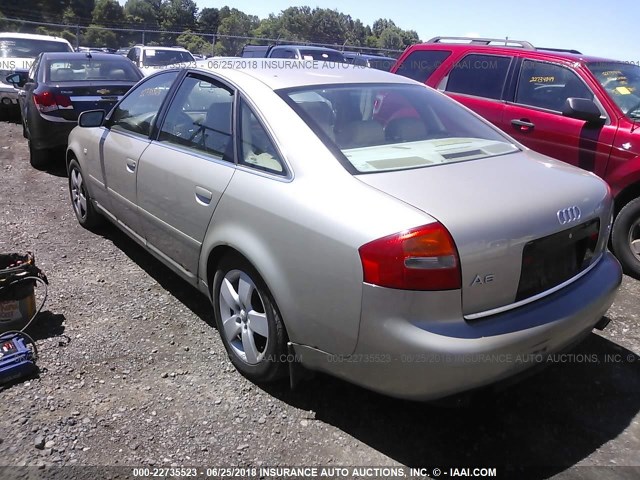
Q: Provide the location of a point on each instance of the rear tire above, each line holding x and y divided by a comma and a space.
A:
248, 321
86, 214
39, 158
625, 238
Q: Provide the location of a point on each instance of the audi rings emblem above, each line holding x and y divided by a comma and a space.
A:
568, 215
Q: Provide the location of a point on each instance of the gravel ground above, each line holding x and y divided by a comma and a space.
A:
133, 373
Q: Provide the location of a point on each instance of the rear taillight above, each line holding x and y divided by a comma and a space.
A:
423, 258
48, 101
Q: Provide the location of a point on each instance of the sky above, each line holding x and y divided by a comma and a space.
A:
598, 28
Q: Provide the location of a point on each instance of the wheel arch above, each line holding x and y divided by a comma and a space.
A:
215, 256
70, 155
629, 193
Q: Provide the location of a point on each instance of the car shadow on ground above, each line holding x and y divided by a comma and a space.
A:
550, 420
56, 165
553, 419
57, 168
172, 283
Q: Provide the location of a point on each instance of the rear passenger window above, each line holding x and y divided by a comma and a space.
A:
256, 148
420, 64
547, 85
479, 75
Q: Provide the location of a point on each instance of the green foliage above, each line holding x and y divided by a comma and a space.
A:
235, 24
96, 36
69, 36
82, 9
209, 20
194, 43
178, 15
390, 38
142, 13
301, 24
108, 13
381, 25
69, 16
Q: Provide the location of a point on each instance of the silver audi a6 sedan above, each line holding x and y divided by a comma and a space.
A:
353, 220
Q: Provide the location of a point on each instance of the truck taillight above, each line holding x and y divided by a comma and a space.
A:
422, 258
48, 101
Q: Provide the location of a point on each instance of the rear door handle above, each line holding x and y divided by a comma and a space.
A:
131, 165
203, 196
523, 125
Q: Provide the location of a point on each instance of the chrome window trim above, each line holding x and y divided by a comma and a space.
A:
96, 98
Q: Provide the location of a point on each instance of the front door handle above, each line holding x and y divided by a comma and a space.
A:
131, 165
203, 196
523, 125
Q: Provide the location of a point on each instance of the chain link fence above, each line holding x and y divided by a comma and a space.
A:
79, 35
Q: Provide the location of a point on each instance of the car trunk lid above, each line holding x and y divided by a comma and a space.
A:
523, 223
73, 98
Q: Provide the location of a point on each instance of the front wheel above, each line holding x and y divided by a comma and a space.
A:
80, 200
248, 321
625, 238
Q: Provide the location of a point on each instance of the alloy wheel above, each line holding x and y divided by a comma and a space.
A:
78, 194
244, 321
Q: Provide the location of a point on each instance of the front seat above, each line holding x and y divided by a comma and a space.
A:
361, 133
405, 129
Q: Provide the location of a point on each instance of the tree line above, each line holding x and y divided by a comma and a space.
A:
105, 18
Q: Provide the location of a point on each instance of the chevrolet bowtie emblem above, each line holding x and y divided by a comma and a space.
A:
103, 91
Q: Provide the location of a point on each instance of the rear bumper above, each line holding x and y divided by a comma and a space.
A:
417, 345
49, 132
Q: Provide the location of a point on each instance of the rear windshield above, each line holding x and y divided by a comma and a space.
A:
117, 69
29, 48
158, 58
395, 127
323, 55
621, 82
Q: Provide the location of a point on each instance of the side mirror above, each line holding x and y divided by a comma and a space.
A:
582, 109
91, 118
17, 79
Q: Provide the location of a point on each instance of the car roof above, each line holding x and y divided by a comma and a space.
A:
537, 53
301, 73
368, 56
32, 36
309, 47
76, 55
158, 47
